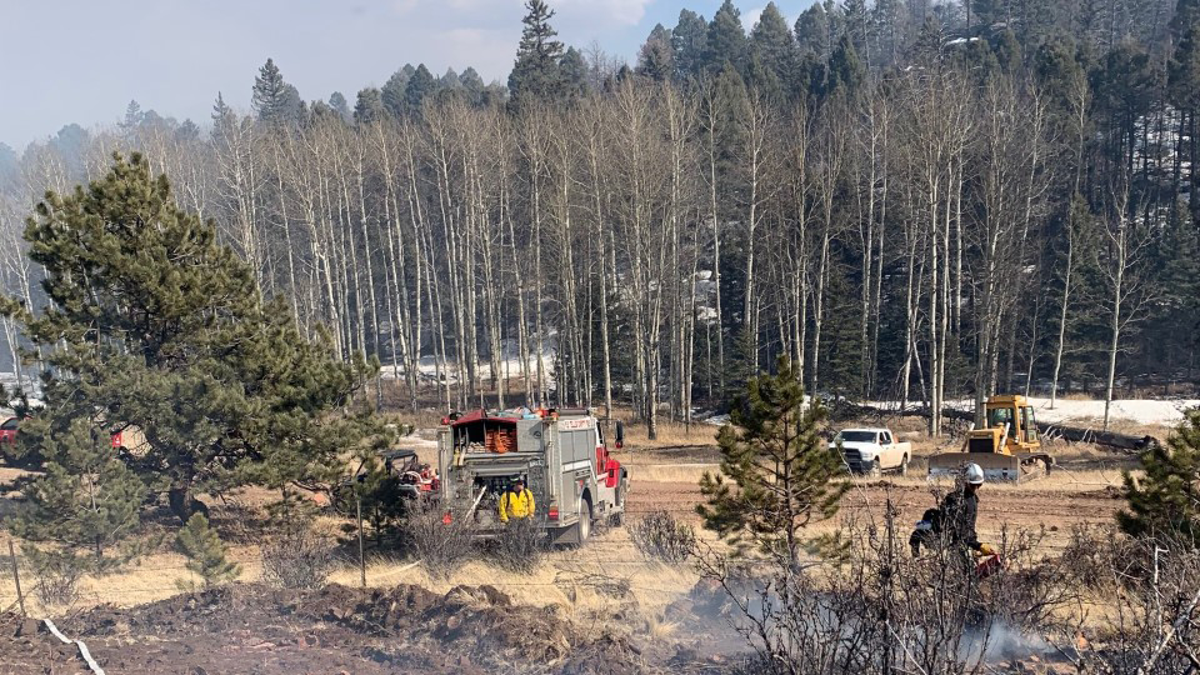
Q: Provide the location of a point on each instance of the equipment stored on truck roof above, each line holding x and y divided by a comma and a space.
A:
561, 456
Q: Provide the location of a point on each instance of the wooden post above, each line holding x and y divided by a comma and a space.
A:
12, 554
362, 563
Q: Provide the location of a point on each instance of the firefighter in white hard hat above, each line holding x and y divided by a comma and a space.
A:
953, 521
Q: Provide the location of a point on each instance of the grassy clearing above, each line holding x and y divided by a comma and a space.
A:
604, 576
671, 473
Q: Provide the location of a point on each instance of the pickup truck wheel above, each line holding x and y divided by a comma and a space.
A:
904, 466
876, 469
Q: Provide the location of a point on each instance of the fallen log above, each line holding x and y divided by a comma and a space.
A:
1107, 439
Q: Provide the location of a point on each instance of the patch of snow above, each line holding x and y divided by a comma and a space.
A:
1140, 411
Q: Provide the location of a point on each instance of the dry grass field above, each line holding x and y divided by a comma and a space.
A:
608, 583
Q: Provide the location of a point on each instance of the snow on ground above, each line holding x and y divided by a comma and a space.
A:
510, 364
1140, 411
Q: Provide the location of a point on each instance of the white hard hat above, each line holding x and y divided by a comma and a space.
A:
974, 474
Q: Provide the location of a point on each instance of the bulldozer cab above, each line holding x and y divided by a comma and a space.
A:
1007, 447
1010, 427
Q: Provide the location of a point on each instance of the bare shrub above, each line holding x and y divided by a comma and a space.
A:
659, 536
1154, 584
521, 546
877, 610
1092, 554
442, 545
58, 580
298, 558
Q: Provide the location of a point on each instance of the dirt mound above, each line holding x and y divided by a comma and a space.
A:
471, 629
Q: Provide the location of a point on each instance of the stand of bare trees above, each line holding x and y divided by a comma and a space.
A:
658, 243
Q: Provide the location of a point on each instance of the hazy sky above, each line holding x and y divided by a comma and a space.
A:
64, 61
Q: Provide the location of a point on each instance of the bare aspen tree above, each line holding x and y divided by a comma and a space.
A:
592, 138
1122, 260
758, 130
711, 121
829, 156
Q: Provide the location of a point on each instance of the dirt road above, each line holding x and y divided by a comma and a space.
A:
1056, 504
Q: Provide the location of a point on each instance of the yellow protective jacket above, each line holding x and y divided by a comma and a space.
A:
516, 505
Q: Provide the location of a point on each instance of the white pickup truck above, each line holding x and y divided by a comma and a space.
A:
872, 451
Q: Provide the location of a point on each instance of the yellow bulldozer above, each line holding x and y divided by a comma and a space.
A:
1007, 447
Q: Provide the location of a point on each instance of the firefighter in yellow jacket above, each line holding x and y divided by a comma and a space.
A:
517, 502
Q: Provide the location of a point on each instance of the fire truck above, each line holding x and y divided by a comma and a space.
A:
560, 455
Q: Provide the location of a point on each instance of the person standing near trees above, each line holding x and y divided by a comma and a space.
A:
518, 503
954, 519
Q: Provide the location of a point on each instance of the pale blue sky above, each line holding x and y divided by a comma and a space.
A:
64, 61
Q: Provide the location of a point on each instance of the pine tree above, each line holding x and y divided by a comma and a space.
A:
1187, 13
188, 132
87, 503
1007, 50
1176, 311
275, 100
536, 73
205, 553
368, 106
574, 71
771, 41
927, 50
473, 86
857, 20
656, 60
449, 81
784, 472
133, 117
10, 165
689, 41
846, 71
420, 86
338, 103
146, 309
224, 120
812, 32
1166, 501
726, 40
393, 93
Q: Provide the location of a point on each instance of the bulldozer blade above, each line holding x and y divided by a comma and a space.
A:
997, 467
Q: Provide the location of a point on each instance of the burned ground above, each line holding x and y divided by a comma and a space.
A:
250, 628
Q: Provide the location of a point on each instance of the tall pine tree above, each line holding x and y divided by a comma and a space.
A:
420, 86
393, 92
771, 42
153, 324
656, 60
726, 40
537, 75
274, 100
368, 106
689, 41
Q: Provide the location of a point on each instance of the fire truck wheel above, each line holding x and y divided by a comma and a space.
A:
585, 520
618, 519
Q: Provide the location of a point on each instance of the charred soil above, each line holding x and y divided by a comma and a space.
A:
251, 628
